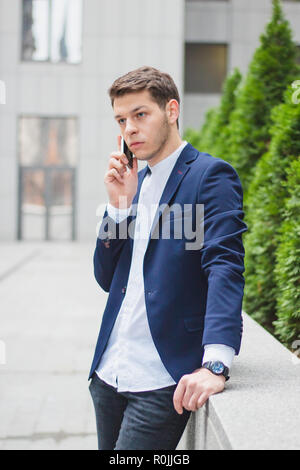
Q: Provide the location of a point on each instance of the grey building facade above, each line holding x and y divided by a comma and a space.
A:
57, 61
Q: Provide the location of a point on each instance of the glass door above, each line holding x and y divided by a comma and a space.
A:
47, 177
47, 204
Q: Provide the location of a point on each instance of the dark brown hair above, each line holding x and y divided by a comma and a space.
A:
160, 86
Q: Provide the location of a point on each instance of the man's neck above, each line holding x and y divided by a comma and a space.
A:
166, 151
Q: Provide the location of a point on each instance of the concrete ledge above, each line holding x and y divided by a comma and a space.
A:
260, 407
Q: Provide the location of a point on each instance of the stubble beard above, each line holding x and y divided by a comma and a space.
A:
164, 135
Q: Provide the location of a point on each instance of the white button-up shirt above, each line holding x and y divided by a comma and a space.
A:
131, 361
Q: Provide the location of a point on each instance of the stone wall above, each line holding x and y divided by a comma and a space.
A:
260, 406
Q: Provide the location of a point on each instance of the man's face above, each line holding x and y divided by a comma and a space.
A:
142, 120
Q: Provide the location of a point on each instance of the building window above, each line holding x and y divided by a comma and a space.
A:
52, 31
205, 67
47, 178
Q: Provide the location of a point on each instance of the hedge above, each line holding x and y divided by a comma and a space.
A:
214, 134
287, 270
272, 69
267, 195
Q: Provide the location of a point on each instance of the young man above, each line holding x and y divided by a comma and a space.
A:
172, 322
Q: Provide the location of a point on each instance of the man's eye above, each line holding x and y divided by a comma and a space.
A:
141, 114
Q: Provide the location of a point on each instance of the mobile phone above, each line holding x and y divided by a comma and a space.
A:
128, 153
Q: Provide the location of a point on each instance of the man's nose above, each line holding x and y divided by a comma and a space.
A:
130, 127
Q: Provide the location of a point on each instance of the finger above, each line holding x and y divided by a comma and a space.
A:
134, 164
117, 164
119, 142
202, 399
119, 156
113, 174
134, 168
193, 403
178, 396
186, 399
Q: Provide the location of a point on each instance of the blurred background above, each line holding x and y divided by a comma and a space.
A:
58, 59
232, 61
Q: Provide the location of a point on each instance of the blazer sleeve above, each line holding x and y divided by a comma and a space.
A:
222, 254
110, 242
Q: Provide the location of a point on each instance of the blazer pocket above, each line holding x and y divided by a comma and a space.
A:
194, 323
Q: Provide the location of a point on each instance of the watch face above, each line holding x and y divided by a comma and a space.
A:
217, 367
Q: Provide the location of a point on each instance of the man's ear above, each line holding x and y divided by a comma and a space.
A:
172, 109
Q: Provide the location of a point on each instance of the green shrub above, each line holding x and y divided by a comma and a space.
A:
213, 136
207, 130
271, 70
218, 137
227, 104
199, 139
287, 271
193, 137
267, 194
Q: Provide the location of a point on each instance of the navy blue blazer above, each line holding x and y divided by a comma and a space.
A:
193, 297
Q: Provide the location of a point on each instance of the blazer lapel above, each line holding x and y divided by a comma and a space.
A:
181, 168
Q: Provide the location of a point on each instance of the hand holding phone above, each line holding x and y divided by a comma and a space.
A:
121, 183
127, 152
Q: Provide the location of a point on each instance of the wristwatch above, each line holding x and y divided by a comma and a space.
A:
217, 368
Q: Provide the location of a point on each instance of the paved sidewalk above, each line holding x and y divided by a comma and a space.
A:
51, 310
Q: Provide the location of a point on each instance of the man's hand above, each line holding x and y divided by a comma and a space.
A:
194, 389
121, 182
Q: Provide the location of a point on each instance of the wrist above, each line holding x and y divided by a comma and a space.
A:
122, 203
209, 373
217, 368
120, 206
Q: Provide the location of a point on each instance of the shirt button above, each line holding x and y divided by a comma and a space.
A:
123, 290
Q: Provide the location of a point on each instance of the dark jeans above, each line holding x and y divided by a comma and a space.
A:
136, 420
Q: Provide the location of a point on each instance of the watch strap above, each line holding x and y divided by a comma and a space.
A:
210, 366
